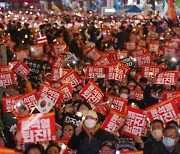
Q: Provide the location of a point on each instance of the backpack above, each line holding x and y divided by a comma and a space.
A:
9, 53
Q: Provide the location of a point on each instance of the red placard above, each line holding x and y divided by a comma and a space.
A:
37, 127
135, 122
141, 60
150, 71
58, 61
130, 46
60, 48
72, 78
36, 51
165, 111
121, 54
21, 54
94, 71
8, 103
116, 102
167, 78
57, 73
142, 43
173, 44
29, 100
103, 61
5, 68
54, 94
137, 94
21, 69
113, 121
7, 78
67, 91
153, 48
169, 94
4, 150
92, 93
169, 51
140, 51
94, 54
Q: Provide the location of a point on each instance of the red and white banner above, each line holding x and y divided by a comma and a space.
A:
29, 100
113, 121
94, 54
130, 46
37, 127
9, 103
5, 68
167, 78
153, 48
103, 61
58, 61
42, 39
169, 94
140, 51
165, 111
169, 51
94, 71
7, 78
36, 51
141, 60
21, 69
92, 93
135, 122
72, 78
57, 73
67, 91
58, 49
21, 54
174, 44
54, 94
150, 71
137, 94
116, 102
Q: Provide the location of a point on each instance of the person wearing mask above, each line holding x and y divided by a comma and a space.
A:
157, 135
107, 147
169, 143
88, 137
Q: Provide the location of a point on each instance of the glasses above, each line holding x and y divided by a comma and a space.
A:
173, 137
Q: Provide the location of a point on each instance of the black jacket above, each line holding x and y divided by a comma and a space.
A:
149, 145
89, 144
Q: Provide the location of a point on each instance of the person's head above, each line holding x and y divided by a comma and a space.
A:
68, 130
34, 149
124, 92
171, 136
52, 149
91, 119
172, 123
156, 129
75, 105
76, 96
138, 87
84, 107
107, 147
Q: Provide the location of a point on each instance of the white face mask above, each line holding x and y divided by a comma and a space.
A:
124, 96
90, 123
157, 134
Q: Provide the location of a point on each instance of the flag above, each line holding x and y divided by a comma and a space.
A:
171, 11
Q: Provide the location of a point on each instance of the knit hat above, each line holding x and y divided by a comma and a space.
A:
91, 113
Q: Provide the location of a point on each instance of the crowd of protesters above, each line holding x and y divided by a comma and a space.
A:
80, 32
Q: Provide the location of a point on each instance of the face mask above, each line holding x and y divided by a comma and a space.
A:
124, 96
90, 123
168, 142
157, 134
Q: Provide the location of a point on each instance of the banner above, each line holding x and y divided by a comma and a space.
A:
36, 51
67, 91
169, 94
150, 71
54, 94
94, 54
94, 71
5, 68
113, 121
153, 48
29, 100
116, 102
145, 59
57, 73
7, 78
172, 11
21, 54
130, 46
140, 51
137, 94
169, 51
135, 122
72, 78
58, 62
21, 69
92, 93
167, 78
103, 61
165, 111
8, 103
37, 127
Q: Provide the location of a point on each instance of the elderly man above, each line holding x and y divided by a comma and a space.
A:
87, 138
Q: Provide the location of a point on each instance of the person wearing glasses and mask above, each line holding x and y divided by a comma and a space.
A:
88, 137
169, 143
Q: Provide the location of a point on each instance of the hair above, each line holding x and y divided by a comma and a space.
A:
36, 146
86, 104
172, 127
123, 87
78, 101
172, 122
157, 121
139, 86
52, 145
144, 80
110, 144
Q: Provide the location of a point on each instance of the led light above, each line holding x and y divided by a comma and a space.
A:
63, 146
173, 59
79, 114
134, 59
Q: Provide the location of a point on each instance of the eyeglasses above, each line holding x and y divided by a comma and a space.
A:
173, 137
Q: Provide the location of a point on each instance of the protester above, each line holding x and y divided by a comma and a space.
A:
107, 147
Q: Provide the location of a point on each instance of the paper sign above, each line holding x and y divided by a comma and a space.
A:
36, 51
94, 71
21, 54
67, 91
21, 69
7, 78
150, 71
